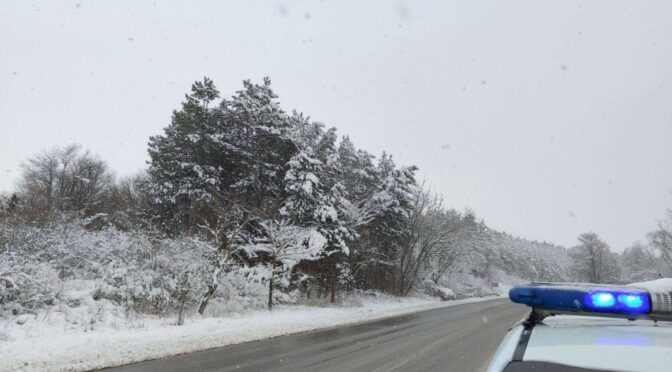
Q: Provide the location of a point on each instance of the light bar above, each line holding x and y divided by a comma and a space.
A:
586, 299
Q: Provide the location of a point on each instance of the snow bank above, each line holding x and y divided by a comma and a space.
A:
48, 349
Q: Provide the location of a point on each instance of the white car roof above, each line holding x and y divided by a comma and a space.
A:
602, 343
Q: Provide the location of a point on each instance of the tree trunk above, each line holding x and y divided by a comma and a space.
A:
333, 288
184, 292
206, 297
270, 292
408, 288
180, 314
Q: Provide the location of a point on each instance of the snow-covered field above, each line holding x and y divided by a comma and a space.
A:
40, 347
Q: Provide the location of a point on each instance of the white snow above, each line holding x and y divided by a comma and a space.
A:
50, 347
658, 285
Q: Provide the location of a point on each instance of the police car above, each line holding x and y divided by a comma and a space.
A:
589, 327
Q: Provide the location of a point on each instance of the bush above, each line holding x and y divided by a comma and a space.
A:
64, 263
137, 270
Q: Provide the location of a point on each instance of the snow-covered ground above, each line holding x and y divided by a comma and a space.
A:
39, 346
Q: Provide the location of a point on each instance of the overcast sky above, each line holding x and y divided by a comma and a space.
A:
548, 118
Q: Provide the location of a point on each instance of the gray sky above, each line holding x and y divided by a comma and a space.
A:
548, 118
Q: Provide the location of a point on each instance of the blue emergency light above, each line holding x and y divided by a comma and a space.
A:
586, 299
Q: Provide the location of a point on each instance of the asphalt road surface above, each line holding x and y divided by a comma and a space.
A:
457, 338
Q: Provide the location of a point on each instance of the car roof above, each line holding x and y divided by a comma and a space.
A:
602, 343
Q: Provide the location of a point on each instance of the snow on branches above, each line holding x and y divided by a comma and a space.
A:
283, 246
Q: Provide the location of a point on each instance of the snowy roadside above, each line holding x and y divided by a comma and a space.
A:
159, 338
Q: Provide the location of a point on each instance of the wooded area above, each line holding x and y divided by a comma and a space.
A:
240, 196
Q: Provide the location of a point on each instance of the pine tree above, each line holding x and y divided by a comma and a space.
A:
303, 189
389, 227
186, 169
267, 142
211, 155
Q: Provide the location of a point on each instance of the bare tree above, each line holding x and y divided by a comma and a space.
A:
429, 232
459, 243
660, 241
593, 260
64, 179
227, 233
639, 264
38, 182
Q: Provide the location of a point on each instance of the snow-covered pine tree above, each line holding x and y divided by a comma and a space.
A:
218, 167
332, 201
187, 167
303, 193
332, 213
302, 187
315, 196
393, 191
368, 199
358, 177
267, 142
212, 154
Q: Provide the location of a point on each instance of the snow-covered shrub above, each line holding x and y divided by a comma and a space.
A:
26, 285
137, 270
65, 264
435, 290
147, 275
284, 246
240, 289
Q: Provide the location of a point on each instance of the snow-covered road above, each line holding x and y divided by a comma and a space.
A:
159, 338
457, 338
